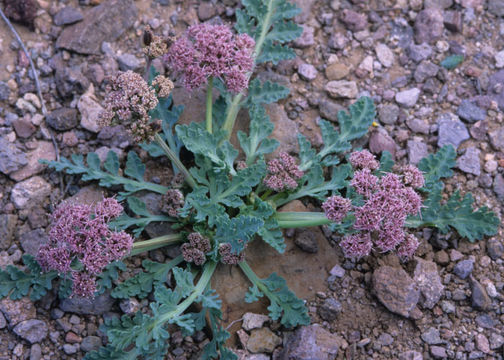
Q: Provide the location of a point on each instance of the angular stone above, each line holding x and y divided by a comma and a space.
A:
471, 112
33, 330
388, 114
105, 22
32, 240
408, 98
7, 226
429, 282
384, 54
309, 343
496, 88
453, 20
451, 130
263, 341
411, 355
463, 268
337, 71
90, 343
329, 110
497, 138
30, 192
395, 290
479, 297
470, 161
431, 336
16, 311
307, 72
425, 70
44, 150
381, 141
129, 62
306, 39
306, 241
4, 91
67, 15
342, 89
438, 352
84, 306
420, 126
498, 186
285, 130
496, 7
353, 20
495, 249
62, 119
23, 128
253, 321
330, 309
11, 158
428, 25
420, 52
90, 111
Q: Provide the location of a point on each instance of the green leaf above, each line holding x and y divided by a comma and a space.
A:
112, 163
452, 61
138, 206
244, 23
253, 294
255, 8
275, 53
257, 143
285, 32
386, 164
265, 93
93, 161
237, 231
109, 275
134, 167
185, 281
205, 208
17, 283
438, 166
110, 353
307, 154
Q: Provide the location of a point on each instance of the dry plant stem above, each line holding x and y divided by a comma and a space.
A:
174, 158
155, 243
37, 85
209, 105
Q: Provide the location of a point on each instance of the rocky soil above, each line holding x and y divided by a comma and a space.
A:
446, 303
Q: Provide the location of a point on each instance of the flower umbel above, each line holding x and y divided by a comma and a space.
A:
173, 200
194, 251
80, 234
212, 51
283, 173
336, 208
129, 100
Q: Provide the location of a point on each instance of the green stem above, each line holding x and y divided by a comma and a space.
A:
209, 105
300, 219
174, 158
266, 194
208, 271
155, 243
236, 102
413, 223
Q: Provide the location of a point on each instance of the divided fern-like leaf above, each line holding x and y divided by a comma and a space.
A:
265, 93
438, 166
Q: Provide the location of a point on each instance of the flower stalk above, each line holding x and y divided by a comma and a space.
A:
300, 219
155, 243
209, 105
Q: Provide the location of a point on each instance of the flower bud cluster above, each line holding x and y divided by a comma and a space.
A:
195, 250
388, 201
212, 51
129, 100
173, 200
227, 257
80, 233
283, 173
155, 46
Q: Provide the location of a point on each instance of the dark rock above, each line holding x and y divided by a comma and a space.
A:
70, 80
479, 130
411, 355
32, 240
425, 70
498, 186
470, 161
32, 330
496, 341
496, 88
451, 130
353, 20
485, 321
7, 226
428, 25
62, 119
429, 282
114, 136
105, 22
23, 128
67, 15
431, 336
453, 20
35, 352
420, 52
385, 339
206, 10
16, 311
418, 125
463, 268
330, 309
431, 86
381, 141
4, 91
496, 7
306, 39
306, 241
90, 343
470, 112
329, 109
479, 298
388, 114
395, 290
84, 306
11, 158
495, 249
417, 150
309, 343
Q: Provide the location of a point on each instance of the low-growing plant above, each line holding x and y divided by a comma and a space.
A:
222, 199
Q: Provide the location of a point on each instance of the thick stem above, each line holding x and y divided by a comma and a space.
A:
174, 158
232, 114
155, 243
209, 105
208, 271
301, 219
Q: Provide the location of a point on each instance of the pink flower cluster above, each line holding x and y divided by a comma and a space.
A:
195, 250
283, 173
388, 202
212, 51
173, 200
227, 257
80, 233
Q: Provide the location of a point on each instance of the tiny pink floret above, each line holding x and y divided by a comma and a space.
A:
283, 173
